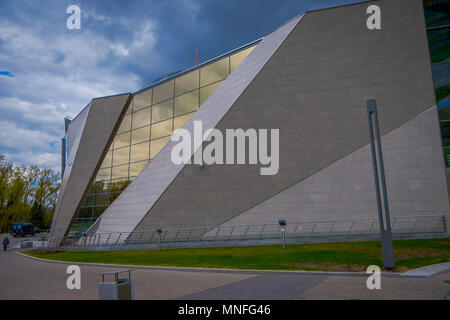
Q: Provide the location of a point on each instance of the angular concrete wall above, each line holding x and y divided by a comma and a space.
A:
101, 121
415, 175
137, 199
314, 90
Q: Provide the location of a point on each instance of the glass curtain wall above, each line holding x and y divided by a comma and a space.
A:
146, 127
437, 18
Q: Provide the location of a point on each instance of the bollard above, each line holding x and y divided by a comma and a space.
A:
282, 223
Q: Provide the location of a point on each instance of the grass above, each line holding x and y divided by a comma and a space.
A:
339, 256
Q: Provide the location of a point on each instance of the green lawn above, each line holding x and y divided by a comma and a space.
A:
339, 256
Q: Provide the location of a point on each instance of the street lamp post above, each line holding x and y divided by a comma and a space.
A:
386, 234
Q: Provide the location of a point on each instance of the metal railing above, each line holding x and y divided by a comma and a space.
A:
423, 224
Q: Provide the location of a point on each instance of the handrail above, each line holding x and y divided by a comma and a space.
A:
433, 223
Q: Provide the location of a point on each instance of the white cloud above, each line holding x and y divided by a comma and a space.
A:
57, 74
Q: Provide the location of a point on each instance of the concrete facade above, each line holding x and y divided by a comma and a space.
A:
415, 176
314, 90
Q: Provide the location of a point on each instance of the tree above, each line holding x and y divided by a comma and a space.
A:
27, 194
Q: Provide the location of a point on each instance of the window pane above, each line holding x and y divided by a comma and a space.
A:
178, 122
444, 109
186, 83
445, 132
101, 199
157, 145
136, 168
122, 140
186, 103
139, 152
142, 100
162, 111
119, 172
85, 213
88, 201
439, 43
214, 72
436, 13
130, 108
103, 174
163, 92
107, 161
98, 211
119, 185
98, 186
126, 124
161, 129
113, 196
140, 135
207, 91
237, 58
141, 118
121, 156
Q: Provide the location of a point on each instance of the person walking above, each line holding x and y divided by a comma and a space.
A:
5, 243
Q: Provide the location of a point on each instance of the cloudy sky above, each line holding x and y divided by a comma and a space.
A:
48, 71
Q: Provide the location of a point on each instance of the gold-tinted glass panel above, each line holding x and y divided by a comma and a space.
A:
161, 129
205, 92
98, 186
214, 72
126, 124
107, 161
103, 174
140, 135
178, 122
157, 145
139, 152
237, 58
142, 100
187, 82
120, 172
136, 168
141, 118
119, 185
162, 111
130, 108
122, 140
121, 156
163, 92
186, 103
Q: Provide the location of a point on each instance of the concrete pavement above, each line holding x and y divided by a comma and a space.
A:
25, 278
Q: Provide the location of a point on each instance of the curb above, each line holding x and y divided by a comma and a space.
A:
427, 271
218, 270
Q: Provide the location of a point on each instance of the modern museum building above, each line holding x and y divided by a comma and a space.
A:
308, 80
